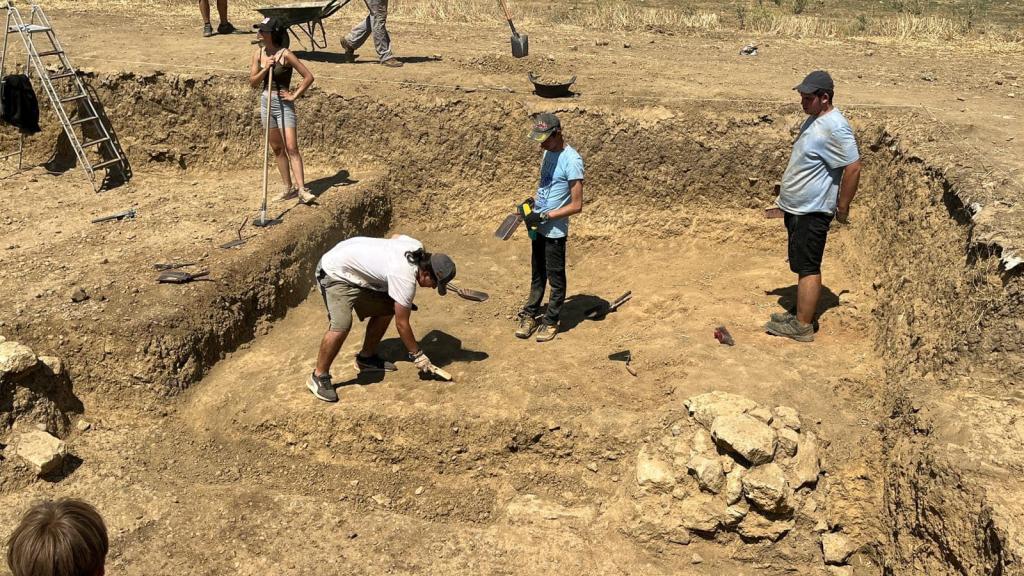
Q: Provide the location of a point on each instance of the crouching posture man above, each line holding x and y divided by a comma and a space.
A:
377, 278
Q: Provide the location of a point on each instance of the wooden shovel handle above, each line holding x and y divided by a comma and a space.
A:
504, 8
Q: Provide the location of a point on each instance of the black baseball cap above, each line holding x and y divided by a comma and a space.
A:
269, 24
817, 80
544, 125
443, 269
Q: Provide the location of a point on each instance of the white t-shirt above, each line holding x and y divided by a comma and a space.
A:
825, 147
375, 263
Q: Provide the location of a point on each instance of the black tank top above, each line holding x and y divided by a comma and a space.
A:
282, 75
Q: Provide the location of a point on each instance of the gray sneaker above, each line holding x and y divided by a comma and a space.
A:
527, 326
374, 364
782, 317
306, 196
321, 387
207, 30
547, 332
793, 329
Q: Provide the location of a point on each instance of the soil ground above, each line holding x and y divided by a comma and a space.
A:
247, 472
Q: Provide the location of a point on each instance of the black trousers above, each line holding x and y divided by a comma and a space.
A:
548, 265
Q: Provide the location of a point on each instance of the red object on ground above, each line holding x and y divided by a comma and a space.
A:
723, 336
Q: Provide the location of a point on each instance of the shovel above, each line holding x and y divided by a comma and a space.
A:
520, 43
473, 295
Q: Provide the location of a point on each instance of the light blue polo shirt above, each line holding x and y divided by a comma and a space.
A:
557, 170
825, 146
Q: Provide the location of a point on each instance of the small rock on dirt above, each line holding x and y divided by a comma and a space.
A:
699, 514
652, 471
419, 490
841, 571
756, 527
15, 359
53, 364
745, 436
761, 413
708, 472
836, 548
43, 452
592, 466
807, 465
734, 486
765, 487
79, 295
788, 442
788, 417
83, 425
382, 499
697, 558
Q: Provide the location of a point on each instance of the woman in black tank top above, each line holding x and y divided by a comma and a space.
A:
277, 62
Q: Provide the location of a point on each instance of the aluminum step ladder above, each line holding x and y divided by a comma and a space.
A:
63, 87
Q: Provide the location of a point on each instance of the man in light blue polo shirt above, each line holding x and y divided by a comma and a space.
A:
559, 195
819, 184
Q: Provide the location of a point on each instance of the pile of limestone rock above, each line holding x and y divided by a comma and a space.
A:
733, 467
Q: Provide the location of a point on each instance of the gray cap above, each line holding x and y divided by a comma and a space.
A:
817, 80
544, 124
443, 269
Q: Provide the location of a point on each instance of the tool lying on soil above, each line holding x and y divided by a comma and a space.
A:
509, 224
173, 265
474, 295
602, 310
440, 373
123, 215
520, 43
723, 336
181, 277
238, 241
626, 356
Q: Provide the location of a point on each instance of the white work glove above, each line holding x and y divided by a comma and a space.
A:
421, 361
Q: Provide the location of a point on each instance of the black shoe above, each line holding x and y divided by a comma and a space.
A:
321, 387
374, 364
225, 28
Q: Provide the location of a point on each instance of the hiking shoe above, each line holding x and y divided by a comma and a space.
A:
225, 28
306, 196
392, 63
287, 194
782, 317
321, 387
350, 51
207, 30
374, 364
527, 326
792, 329
547, 332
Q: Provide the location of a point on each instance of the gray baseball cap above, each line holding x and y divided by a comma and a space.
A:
544, 125
443, 269
817, 80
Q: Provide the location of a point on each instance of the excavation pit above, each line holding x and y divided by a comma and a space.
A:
529, 458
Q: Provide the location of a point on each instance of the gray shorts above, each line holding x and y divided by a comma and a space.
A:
341, 298
282, 112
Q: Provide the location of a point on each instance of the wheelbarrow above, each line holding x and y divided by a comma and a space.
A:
307, 17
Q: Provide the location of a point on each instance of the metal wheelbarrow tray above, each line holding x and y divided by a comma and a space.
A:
306, 16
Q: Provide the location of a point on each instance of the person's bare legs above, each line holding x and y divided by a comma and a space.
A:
808, 291
204, 9
277, 145
222, 10
291, 140
330, 344
375, 329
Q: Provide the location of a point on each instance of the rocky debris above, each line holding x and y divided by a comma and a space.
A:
757, 527
83, 425
700, 514
746, 436
704, 408
836, 548
41, 451
765, 487
53, 365
79, 295
708, 472
787, 417
701, 443
735, 513
761, 413
15, 360
788, 440
652, 471
841, 571
734, 486
807, 465
697, 558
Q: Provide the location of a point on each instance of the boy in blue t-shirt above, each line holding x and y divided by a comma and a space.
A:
559, 195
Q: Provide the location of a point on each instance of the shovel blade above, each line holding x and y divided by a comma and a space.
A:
520, 46
508, 226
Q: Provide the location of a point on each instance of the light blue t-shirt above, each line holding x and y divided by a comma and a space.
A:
557, 169
811, 182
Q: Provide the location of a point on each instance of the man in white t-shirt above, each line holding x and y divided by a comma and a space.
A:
376, 277
819, 184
